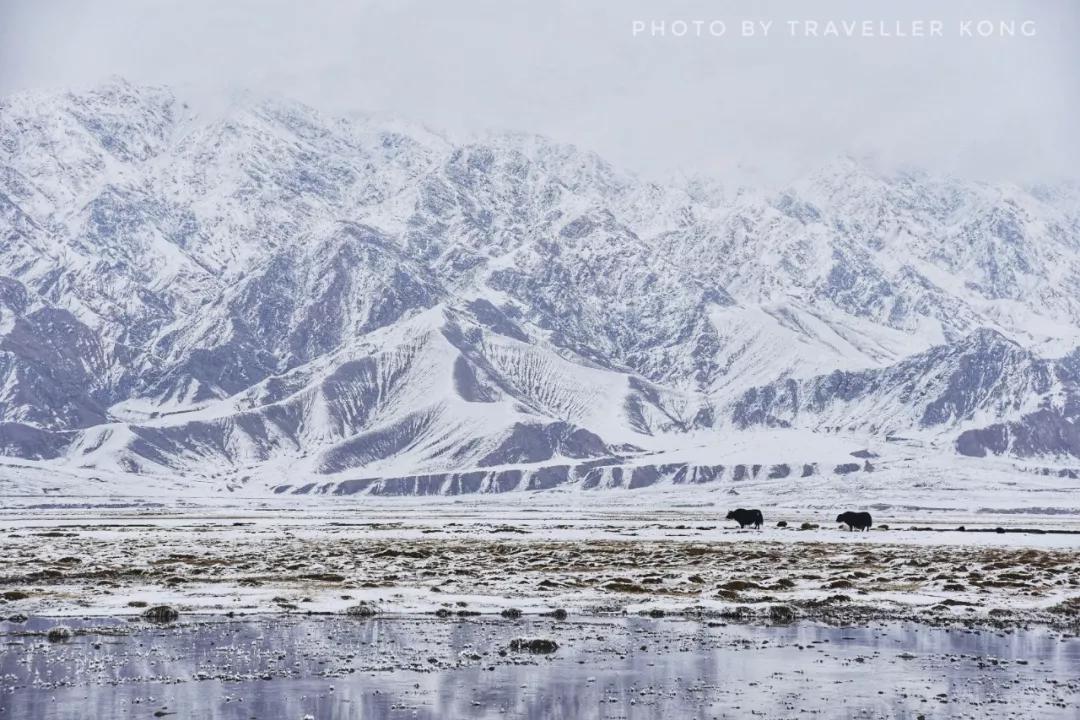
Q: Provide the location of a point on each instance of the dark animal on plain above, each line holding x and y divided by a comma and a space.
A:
746, 517
856, 520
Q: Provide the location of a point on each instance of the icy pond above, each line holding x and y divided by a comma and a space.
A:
322, 667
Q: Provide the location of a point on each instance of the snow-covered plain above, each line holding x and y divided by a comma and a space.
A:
651, 550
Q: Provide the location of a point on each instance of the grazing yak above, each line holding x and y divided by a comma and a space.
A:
856, 520
746, 517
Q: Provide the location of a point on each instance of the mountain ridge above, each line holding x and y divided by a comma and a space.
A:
271, 290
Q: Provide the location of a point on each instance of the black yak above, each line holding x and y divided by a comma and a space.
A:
746, 517
855, 520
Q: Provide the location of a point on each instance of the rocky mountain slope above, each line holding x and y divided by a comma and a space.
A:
264, 296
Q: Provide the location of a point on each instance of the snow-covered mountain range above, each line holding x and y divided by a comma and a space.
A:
267, 297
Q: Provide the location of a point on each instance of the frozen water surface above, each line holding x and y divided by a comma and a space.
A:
463, 667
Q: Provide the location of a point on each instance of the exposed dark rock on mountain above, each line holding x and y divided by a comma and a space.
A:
268, 292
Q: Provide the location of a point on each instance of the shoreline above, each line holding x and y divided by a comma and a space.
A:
825, 615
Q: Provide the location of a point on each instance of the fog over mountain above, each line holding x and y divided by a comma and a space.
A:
757, 110
273, 297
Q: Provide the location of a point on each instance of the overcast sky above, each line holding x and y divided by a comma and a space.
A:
999, 108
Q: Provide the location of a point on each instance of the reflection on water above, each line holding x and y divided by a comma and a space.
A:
335, 667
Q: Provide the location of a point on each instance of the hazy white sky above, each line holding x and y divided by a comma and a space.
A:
1001, 108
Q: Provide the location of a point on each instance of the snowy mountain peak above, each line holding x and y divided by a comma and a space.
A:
263, 287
